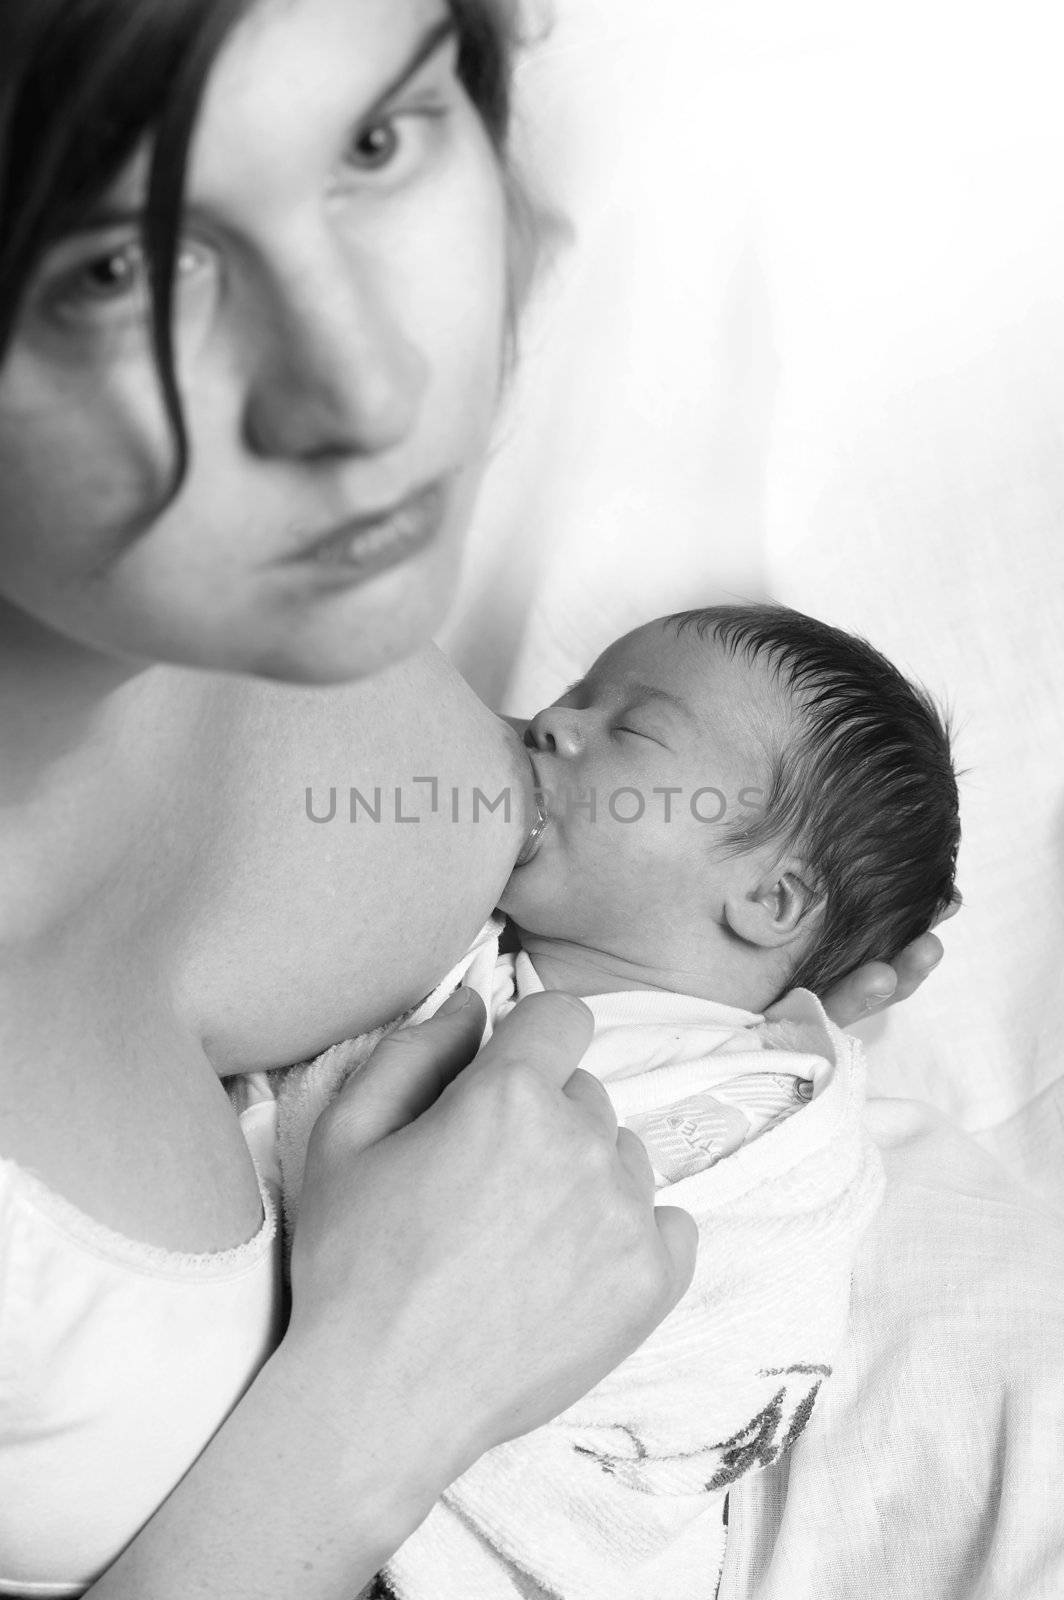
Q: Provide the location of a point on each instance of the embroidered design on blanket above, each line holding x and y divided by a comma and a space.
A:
380, 1589
691, 1135
695, 1133
756, 1444
766, 1437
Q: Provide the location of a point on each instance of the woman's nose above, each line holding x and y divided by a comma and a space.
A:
337, 374
558, 730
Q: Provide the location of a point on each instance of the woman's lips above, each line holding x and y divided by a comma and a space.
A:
539, 822
366, 545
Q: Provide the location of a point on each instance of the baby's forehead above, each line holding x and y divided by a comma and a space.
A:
728, 689
656, 644
675, 659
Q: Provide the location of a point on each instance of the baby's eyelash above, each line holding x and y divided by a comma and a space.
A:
639, 733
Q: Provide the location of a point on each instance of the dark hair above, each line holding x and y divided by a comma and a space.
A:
865, 790
84, 83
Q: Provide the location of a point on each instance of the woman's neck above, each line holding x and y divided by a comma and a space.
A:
92, 756
52, 691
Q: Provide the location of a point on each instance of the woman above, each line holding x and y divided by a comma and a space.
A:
238, 448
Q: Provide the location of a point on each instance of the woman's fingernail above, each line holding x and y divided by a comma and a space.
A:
874, 1001
454, 1002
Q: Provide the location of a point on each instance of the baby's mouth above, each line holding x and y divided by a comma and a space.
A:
539, 824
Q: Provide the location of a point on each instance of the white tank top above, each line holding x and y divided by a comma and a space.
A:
118, 1361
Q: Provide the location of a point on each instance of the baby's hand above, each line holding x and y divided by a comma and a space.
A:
878, 984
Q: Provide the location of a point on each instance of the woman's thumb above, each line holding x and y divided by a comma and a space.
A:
679, 1233
410, 1069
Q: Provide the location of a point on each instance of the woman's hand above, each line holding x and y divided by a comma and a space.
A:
878, 983
478, 1247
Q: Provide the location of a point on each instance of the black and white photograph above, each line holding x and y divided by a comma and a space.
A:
531, 800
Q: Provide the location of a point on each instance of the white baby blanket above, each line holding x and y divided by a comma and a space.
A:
621, 1497
931, 1469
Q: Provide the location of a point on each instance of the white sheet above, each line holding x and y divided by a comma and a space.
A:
931, 1467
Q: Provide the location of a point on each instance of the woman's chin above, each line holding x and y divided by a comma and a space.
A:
354, 633
324, 661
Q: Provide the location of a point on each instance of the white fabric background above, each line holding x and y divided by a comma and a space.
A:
809, 339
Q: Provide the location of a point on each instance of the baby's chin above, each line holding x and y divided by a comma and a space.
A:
523, 892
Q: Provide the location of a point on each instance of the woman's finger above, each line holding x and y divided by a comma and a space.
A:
633, 1153
548, 1032
586, 1091
408, 1071
916, 962
679, 1234
865, 989
878, 984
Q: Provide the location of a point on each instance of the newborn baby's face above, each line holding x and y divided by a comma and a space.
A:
622, 864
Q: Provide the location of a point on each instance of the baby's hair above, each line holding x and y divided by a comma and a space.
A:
865, 790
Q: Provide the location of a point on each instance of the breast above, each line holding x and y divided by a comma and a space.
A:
353, 843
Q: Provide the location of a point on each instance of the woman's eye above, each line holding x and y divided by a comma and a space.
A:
114, 283
112, 276
406, 130
377, 145
402, 141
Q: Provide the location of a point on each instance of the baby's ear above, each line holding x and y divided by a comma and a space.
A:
783, 905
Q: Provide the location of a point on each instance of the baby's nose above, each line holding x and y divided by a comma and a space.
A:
558, 730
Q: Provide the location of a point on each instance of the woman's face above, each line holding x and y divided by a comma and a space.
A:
339, 325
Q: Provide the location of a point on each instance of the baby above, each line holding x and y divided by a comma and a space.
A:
733, 804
